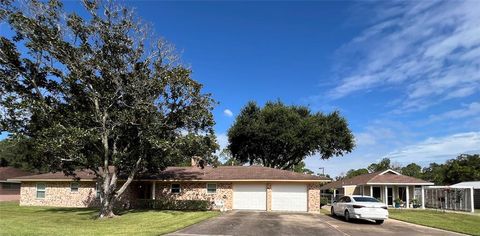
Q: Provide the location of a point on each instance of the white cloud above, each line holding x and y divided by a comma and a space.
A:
364, 139
469, 110
438, 149
430, 50
228, 112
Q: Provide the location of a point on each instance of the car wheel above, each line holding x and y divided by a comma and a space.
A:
332, 212
347, 216
379, 222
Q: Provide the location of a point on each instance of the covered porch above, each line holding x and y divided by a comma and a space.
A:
407, 196
403, 196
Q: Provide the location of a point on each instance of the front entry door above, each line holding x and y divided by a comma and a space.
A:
389, 196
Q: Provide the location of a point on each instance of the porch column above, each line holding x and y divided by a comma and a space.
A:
423, 197
371, 191
408, 195
385, 193
153, 190
472, 204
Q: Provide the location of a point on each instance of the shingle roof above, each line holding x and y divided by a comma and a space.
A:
380, 177
82, 174
11, 172
221, 173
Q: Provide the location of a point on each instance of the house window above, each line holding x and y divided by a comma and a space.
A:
41, 190
74, 186
97, 191
175, 188
211, 188
11, 186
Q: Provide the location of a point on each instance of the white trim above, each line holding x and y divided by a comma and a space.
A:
386, 195
206, 187
407, 191
446, 187
400, 184
349, 186
472, 202
44, 191
423, 197
390, 170
153, 190
78, 187
179, 188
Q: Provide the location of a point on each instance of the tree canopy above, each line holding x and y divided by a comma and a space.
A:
465, 167
352, 172
412, 170
98, 92
282, 136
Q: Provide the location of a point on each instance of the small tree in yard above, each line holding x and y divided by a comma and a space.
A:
281, 136
87, 92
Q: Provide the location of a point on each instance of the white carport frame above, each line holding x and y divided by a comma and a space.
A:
472, 207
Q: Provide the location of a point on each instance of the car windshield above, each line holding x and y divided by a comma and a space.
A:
365, 199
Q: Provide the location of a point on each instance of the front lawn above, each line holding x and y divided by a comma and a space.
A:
457, 222
16, 220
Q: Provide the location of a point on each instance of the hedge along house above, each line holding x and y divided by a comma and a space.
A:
227, 187
386, 186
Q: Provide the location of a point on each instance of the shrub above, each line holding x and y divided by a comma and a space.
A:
323, 201
167, 204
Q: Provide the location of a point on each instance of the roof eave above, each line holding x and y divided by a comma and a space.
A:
179, 180
399, 183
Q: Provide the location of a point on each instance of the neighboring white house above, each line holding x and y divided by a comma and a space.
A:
476, 193
387, 186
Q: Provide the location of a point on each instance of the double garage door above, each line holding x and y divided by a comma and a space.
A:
285, 197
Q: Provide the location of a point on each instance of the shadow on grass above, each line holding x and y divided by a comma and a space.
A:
172, 212
77, 211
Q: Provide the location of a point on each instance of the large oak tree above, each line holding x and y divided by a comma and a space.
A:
97, 91
282, 136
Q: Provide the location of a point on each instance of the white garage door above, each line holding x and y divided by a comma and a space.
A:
249, 197
289, 197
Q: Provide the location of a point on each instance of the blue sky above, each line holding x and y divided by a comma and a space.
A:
406, 75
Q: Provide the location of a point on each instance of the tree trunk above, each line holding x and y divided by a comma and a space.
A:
106, 209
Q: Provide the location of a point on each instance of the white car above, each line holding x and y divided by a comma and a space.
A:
360, 207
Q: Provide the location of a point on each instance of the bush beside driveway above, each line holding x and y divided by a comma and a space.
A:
16, 220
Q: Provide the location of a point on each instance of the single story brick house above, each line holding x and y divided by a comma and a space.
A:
228, 187
385, 185
10, 190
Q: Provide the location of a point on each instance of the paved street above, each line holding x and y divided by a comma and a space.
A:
275, 223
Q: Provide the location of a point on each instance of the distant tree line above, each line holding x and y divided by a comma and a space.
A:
466, 167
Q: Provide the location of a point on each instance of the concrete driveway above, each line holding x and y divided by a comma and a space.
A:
275, 223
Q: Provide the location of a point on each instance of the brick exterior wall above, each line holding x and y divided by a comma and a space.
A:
197, 191
58, 194
313, 197
269, 196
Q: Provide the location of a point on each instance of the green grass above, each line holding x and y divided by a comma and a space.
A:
16, 220
324, 211
457, 222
